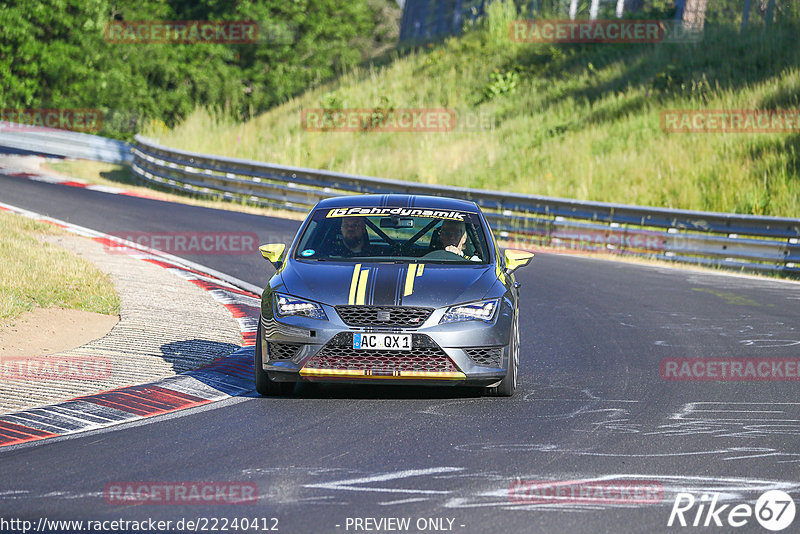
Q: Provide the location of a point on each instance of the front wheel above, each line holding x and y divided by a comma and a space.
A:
264, 385
508, 385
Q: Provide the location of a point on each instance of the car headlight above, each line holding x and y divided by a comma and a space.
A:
287, 305
476, 311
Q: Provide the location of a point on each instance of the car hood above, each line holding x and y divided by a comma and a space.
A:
388, 284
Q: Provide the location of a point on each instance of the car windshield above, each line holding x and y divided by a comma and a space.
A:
377, 234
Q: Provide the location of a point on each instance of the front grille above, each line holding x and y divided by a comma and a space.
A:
282, 351
486, 356
340, 355
404, 316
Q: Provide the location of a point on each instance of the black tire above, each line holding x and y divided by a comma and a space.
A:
264, 385
508, 386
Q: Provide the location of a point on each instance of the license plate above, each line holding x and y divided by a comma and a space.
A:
382, 341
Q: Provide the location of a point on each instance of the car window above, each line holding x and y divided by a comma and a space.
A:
393, 234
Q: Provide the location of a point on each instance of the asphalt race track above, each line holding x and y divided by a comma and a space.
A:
592, 404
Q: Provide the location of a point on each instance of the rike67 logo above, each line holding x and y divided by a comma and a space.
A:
774, 510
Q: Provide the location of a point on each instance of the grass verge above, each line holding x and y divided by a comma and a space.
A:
38, 274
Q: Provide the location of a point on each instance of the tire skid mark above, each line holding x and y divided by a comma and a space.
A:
466, 487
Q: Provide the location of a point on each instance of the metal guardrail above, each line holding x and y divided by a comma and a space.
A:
64, 143
525, 221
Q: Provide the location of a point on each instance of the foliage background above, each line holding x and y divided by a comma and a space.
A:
53, 55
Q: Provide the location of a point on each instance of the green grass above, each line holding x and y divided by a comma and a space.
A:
38, 274
576, 121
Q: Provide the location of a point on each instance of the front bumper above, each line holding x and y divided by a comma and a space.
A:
470, 353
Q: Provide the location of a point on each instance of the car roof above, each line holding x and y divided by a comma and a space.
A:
403, 201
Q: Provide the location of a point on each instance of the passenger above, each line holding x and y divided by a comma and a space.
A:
453, 236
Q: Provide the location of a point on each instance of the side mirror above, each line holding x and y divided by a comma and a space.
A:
516, 259
274, 253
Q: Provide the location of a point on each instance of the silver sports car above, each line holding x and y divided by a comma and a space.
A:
391, 289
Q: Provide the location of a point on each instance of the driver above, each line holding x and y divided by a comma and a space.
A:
355, 241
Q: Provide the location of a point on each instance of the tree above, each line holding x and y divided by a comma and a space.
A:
694, 14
